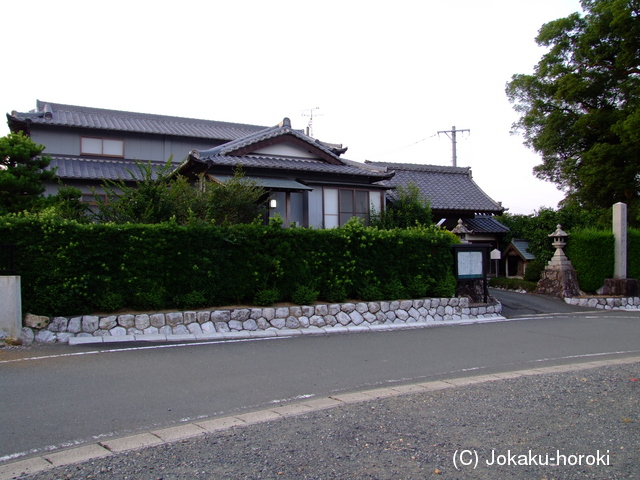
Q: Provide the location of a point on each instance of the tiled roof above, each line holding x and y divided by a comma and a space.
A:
283, 129
97, 169
522, 247
116, 120
291, 163
485, 224
446, 188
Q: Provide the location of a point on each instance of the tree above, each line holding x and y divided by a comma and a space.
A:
22, 171
580, 109
409, 209
159, 196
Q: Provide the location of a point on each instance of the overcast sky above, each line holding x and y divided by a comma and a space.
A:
386, 76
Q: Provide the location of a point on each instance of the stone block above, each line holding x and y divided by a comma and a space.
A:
180, 330
321, 310
282, 312
454, 302
361, 307
304, 321
203, 317
330, 320
395, 305
45, 336
417, 304
220, 316
194, 327
317, 321
406, 305
347, 307
278, 323
75, 325
255, 314
90, 323
165, 330
208, 327
157, 320
27, 336
373, 307
413, 313
142, 321
107, 323
118, 331
240, 314
151, 331
435, 302
402, 315
384, 307
235, 325
369, 317
174, 319
63, 337
262, 323
391, 315
356, 317
189, 317
269, 314
35, 321
295, 311
308, 310
343, 318
334, 308
250, 325
130, 331
58, 324
292, 322
222, 327
126, 321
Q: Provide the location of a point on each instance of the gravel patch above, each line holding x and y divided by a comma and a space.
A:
589, 412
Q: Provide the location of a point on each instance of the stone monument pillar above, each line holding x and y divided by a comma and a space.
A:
620, 284
559, 278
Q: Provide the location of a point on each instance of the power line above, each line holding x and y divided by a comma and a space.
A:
402, 148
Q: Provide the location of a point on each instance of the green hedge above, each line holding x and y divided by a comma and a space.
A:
69, 268
633, 254
592, 255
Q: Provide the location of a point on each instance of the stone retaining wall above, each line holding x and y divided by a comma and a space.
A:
327, 316
606, 303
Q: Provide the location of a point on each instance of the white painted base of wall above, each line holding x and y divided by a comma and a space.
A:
10, 306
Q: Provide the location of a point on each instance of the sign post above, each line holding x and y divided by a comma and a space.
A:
471, 264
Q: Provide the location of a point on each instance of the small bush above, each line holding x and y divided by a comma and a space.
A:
394, 290
534, 271
266, 297
304, 295
336, 293
371, 292
445, 288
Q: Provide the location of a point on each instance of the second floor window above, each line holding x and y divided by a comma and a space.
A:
101, 146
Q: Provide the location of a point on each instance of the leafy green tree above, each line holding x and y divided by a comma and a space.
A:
22, 171
580, 109
409, 209
159, 196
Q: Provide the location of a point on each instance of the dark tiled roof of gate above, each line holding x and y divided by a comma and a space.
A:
115, 120
446, 188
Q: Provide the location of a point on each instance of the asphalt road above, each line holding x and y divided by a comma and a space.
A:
515, 305
73, 395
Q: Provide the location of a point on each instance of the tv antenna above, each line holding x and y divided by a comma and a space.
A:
453, 132
309, 131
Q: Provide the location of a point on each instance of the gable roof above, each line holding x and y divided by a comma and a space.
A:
485, 224
521, 247
82, 168
446, 188
245, 152
57, 114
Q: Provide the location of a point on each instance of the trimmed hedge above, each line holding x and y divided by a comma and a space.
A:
69, 268
592, 255
633, 254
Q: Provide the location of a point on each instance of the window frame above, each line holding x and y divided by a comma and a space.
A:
102, 140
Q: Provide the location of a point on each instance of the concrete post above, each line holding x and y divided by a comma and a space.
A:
620, 234
10, 305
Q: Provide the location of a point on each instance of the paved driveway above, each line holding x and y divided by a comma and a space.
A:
525, 304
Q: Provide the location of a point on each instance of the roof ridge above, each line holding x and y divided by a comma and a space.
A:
40, 105
421, 167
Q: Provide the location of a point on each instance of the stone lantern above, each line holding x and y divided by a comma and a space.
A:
559, 277
462, 231
559, 259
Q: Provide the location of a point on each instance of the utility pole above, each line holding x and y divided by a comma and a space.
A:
453, 132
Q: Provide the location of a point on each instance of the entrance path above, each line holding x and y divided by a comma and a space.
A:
516, 304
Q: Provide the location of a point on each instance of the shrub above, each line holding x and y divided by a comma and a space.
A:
304, 295
534, 271
592, 255
266, 297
